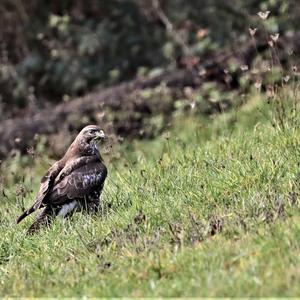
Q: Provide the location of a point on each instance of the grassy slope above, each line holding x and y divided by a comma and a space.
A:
206, 210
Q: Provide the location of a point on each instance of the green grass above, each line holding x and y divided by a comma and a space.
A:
210, 208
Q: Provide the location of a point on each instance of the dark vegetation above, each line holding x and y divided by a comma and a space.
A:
53, 52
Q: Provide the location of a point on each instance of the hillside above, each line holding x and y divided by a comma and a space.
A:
208, 208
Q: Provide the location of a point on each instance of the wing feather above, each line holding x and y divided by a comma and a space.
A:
46, 185
78, 183
73, 165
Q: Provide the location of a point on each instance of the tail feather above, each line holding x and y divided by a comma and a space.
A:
25, 214
44, 219
34, 207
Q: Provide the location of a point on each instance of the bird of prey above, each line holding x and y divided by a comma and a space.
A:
74, 182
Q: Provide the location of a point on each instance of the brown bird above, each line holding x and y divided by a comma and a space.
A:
74, 182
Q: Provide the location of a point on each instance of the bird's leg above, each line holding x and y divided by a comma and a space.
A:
90, 204
93, 206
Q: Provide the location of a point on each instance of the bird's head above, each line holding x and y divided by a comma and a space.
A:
91, 133
86, 141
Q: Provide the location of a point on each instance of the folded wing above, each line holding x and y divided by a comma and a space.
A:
46, 184
78, 184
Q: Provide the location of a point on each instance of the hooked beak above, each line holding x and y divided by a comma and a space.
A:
100, 135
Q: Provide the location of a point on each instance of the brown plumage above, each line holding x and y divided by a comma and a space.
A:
74, 182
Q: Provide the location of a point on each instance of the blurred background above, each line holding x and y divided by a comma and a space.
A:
55, 51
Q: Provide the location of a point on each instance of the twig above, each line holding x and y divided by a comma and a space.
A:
170, 28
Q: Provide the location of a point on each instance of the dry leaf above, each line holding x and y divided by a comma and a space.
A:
275, 37
263, 15
244, 68
252, 31
257, 84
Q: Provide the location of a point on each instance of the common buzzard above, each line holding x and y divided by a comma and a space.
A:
74, 182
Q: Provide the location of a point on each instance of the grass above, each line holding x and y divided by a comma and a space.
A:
210, 208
